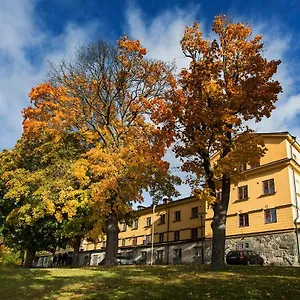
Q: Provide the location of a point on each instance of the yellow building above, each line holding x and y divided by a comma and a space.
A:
176, 228
263, 215
263, 212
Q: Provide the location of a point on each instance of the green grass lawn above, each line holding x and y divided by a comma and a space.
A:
146, 282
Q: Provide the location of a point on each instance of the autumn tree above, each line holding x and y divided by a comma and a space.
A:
228, 83
107, 97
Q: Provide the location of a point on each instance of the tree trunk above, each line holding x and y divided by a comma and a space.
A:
218, 226
112, 233
29, 258
75, 260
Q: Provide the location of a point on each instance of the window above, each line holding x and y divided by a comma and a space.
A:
176, 235
162, 219
194, 233
123, 227
148, 221
123, 242
243, 245
103, 244
244, 220
135, 224
134, 241
198, 251
268, 187
219, 196
147, 239
177, 253
177, 216
161, 237
270, 215
159, 254
243, 192
194, 213
144, 256
294, 157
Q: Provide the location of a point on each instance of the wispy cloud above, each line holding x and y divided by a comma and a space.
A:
25, 50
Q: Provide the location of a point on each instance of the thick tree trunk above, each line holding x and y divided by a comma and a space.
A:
218, 226
75, 260
112, 233
29, 258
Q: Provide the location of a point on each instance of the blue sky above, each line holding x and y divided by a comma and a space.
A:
33, 32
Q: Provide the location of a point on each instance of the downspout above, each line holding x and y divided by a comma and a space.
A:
168, 229
296, 202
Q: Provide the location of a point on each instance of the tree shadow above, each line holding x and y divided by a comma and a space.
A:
151, 282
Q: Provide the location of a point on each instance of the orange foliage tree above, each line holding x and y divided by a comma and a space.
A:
228, 82
107, 97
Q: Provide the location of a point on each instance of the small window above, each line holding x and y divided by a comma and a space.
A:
161, 237
159, 254
148, 221
144, 255
123, 242
177, 216
198, 251
103, 244
177, 253
147, 238
270, 215
134, 241
162, 219
243, 192
244, 220
268, 187
176, 235
135, 224
194, 233
194, 212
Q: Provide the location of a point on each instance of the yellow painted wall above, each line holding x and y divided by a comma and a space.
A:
184, 225
278, 148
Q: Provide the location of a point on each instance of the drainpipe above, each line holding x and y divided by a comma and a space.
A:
152, 238
168, 230
296, 202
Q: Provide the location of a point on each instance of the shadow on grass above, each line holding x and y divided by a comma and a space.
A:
156, 282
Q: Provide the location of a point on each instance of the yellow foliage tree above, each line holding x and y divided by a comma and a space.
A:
107, 98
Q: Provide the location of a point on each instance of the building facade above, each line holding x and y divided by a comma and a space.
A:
263, 215
175, 227
263, 212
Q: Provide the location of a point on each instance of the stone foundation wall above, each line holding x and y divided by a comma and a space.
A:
278, 249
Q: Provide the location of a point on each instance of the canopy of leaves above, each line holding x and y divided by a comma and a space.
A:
106, 99
227, 83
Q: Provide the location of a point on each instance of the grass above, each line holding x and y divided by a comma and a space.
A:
146, 282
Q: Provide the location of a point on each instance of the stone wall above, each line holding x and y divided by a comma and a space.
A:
278, 249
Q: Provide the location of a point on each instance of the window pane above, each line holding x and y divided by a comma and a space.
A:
265, 187
272, 186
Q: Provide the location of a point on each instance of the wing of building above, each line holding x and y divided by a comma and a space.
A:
263, 216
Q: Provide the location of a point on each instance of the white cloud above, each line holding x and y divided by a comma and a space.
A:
161, 35
21, 36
